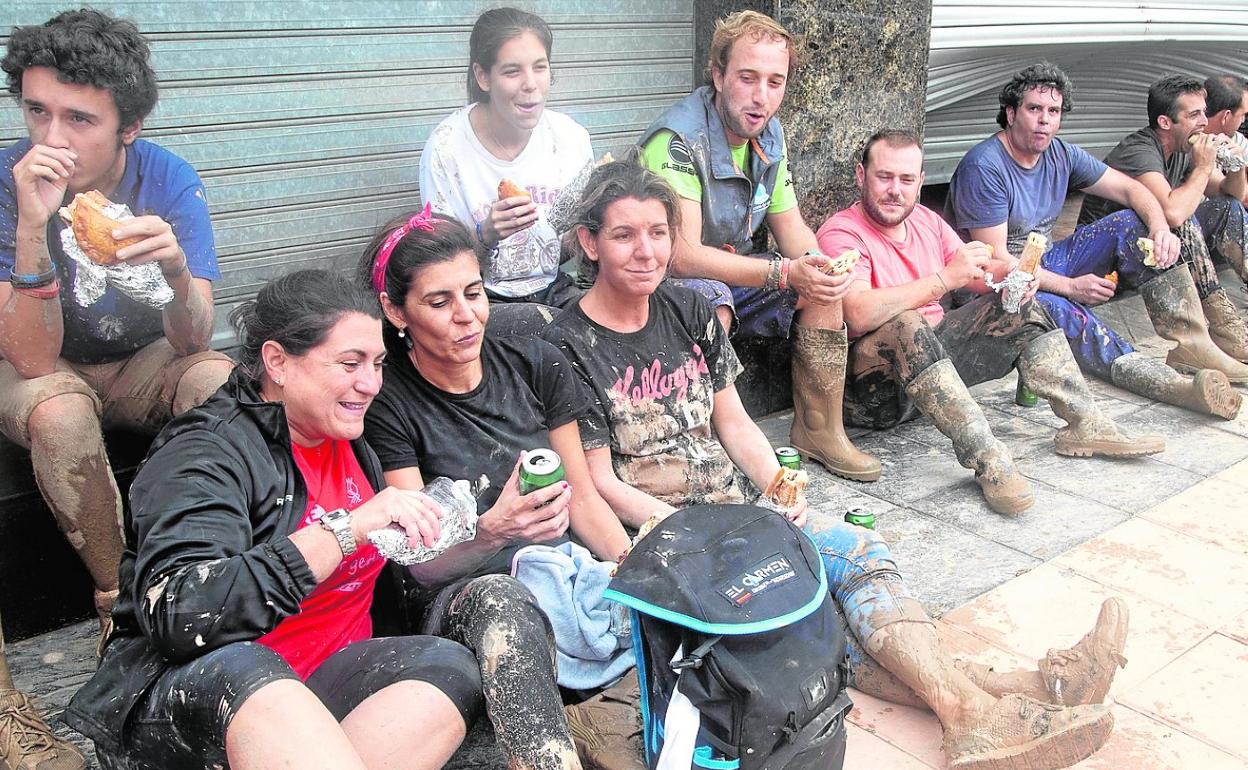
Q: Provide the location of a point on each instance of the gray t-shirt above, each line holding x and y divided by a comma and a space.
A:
1135, 156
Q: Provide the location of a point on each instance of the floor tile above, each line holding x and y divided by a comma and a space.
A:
1142, 743
1237, 629
1213, 510
1195, 578
1116, 482
933, 559
1202, 693
910, 469
866, 749
1193, 441
1056, 523
914, 731
1051, 607
1236, 474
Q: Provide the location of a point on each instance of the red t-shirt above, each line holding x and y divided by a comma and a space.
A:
929, 245
335, 613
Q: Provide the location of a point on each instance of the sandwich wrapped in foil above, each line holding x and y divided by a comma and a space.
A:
141, 283
458, 524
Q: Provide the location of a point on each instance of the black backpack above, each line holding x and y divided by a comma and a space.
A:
743, 595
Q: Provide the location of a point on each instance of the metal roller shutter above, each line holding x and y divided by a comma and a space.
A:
306, 120
1112, 50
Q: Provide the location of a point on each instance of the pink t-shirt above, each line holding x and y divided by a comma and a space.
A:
929, 245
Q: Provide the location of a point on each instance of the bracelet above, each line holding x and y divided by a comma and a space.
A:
32, 280
784, 273
493, 250
184, 268
773, 273
943, 285
48, 291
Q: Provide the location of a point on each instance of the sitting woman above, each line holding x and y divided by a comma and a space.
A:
464, 405
506, 132
676, 434
243, 634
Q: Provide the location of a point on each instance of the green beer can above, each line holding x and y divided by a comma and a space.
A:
860, 517
788, 457
540, 469
1023, 396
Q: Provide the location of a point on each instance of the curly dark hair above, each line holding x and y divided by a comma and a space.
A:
1040, 75
89, 48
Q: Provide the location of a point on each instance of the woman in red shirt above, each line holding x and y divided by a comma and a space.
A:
243, 632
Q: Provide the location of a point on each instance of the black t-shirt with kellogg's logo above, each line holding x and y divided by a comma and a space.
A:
653, 392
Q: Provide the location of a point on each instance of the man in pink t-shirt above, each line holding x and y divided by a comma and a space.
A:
907, 355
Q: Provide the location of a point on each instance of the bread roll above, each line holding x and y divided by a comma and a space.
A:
93, 228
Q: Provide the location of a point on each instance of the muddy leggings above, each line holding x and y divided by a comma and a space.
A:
498, 619
869, 589
1108, 245
983, 341
181, 722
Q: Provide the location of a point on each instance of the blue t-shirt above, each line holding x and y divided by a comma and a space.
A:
155, 181
989, 187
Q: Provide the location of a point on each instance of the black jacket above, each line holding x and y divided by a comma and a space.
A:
207, 560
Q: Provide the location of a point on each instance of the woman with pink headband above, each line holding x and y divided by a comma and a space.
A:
506, 132
457, 403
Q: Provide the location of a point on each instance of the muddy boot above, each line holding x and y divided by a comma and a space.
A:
1227, 330
1020, 733
1207, 392
26, 741
1078, 676
940, 394
1048, 369
607, 728
104, 601
1177, 315
818, 431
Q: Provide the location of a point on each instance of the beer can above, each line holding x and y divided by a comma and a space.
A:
540, 469
788, 457
860, 517
1024, 397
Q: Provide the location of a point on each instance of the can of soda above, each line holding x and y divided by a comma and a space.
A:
540, 469
788, 457
860, 517
1024, 397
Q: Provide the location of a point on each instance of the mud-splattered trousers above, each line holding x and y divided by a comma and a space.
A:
1108, 245
983, 341
497, 618
180, 723
864, 580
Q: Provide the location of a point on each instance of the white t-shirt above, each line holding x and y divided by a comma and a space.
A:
459, 178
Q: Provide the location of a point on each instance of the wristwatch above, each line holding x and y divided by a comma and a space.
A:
339, 522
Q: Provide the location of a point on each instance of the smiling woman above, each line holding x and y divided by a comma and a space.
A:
507, 133
247, 581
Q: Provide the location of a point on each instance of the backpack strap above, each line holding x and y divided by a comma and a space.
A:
694, 659
682, 721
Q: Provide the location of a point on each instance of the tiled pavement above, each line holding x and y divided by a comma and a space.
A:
1168, 533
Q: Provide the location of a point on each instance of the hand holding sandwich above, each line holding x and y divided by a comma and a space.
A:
513, 212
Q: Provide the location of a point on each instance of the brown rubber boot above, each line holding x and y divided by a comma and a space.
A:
1207, 392
1048, 369
1020, 733
818, 431
607, 728
1227, 330
104, 601
1078, 676
27, 742
1177, 315
940, 394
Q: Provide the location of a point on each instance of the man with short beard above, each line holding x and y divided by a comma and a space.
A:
908, 356
723, 150
1015, 183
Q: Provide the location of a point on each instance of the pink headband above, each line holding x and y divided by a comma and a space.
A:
421, 221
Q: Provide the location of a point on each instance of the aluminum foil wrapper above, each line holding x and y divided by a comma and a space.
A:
1012, 289
559, 214
141, 283
1228, 161
458, 525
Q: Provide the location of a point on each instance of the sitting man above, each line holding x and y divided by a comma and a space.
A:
722, 149
909, 355
1015, 182
85, 85
1226, 106
1176, 159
